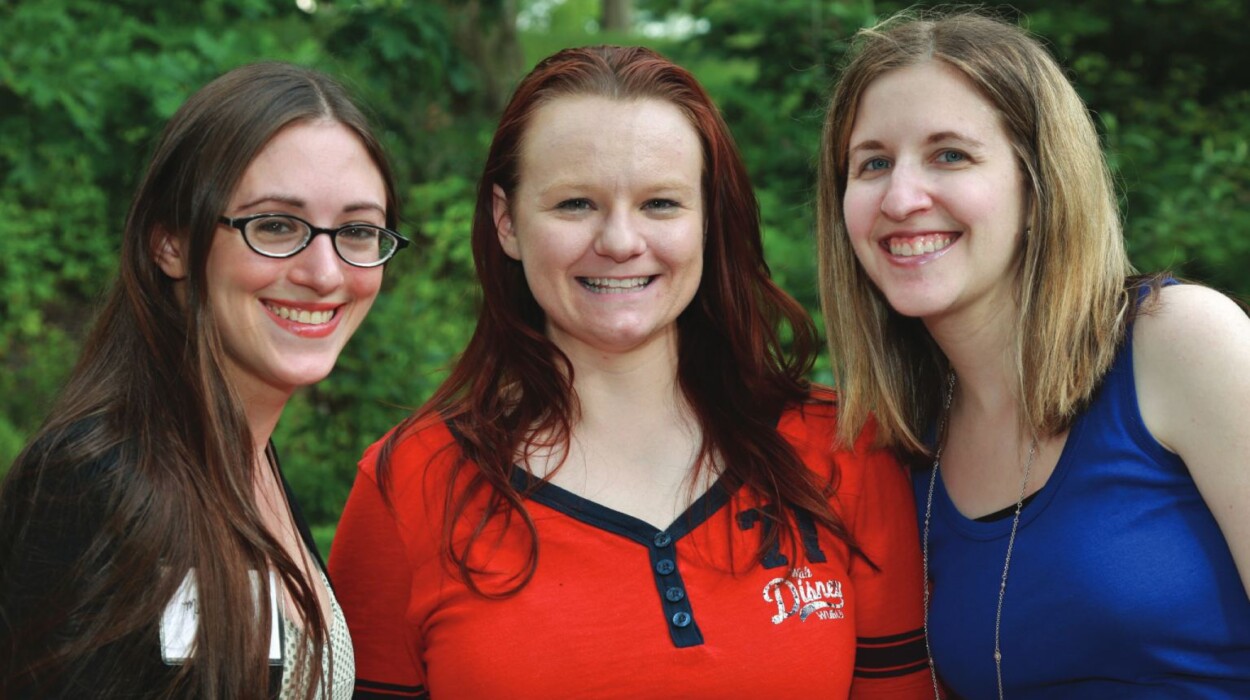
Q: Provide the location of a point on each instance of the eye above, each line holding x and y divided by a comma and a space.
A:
274, 225
873, 164
576, 204
358, 232
951, 157
661, 205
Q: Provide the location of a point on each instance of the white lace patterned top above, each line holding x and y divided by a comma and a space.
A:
338, 671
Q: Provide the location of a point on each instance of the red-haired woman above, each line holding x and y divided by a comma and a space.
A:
626, 488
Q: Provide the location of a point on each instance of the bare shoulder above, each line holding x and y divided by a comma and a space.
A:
1191, 355
1192, 371
1189, 323
1187, 307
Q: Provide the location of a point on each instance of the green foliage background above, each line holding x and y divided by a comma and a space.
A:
86, 86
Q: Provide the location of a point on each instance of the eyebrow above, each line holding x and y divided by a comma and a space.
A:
869, 145
953, 136
936, 137
678, 186
298, 203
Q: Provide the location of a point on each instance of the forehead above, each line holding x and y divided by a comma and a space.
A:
920, 100
587, 129
315, 142
313, 161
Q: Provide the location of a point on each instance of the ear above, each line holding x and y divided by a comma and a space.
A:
169, 255
503, 223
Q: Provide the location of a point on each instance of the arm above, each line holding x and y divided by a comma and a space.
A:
56, 550
42, 540
890, 660
372, 580
1191, 356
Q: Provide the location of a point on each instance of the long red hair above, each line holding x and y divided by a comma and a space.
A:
734, 368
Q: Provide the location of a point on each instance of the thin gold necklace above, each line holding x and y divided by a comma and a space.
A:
1011, 541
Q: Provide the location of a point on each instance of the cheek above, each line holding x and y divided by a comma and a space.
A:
240, 278
693, 272
233, 269
688, 246
681, 252
994, 206
859, 207
364, 284
552, 246
1001, 193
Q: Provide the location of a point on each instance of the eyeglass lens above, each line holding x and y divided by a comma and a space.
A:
283, 235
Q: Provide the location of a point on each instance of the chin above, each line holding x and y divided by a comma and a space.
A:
308, 377
912, 310
916, 305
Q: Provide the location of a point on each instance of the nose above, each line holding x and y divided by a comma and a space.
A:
318, 267
906, 193
619, 237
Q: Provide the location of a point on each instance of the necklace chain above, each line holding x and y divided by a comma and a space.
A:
1011, 541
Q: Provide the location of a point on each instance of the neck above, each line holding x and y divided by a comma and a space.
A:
609, 382
635, 394
982, 352
262, 417
635, 440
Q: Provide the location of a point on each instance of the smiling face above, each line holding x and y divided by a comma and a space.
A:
284, 321
607, 221
935, 202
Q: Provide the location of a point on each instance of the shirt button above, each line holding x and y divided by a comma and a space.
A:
664, 567
662, 539
674, 594
681, 619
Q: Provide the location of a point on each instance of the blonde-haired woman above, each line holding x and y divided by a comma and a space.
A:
1080, 431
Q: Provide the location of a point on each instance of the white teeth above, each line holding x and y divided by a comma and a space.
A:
301, 315
919, 245
614, 285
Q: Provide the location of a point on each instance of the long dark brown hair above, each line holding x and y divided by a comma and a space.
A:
150, 435
734, 370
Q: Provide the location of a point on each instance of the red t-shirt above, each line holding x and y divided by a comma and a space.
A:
619, 609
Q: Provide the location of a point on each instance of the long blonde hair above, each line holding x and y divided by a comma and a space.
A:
1071, 292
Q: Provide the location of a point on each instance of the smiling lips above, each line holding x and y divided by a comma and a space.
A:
305, 322
614, 285
306, 316
912, 246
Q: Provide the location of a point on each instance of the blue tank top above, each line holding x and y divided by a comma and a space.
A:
1121, 583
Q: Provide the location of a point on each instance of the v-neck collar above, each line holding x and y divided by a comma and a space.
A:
597, 515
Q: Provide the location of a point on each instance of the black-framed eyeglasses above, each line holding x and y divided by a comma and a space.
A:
284, 235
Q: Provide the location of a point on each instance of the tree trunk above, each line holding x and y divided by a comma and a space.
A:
485, 30
617, 15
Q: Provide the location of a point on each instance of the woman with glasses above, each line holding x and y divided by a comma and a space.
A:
149, 546
626, 488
